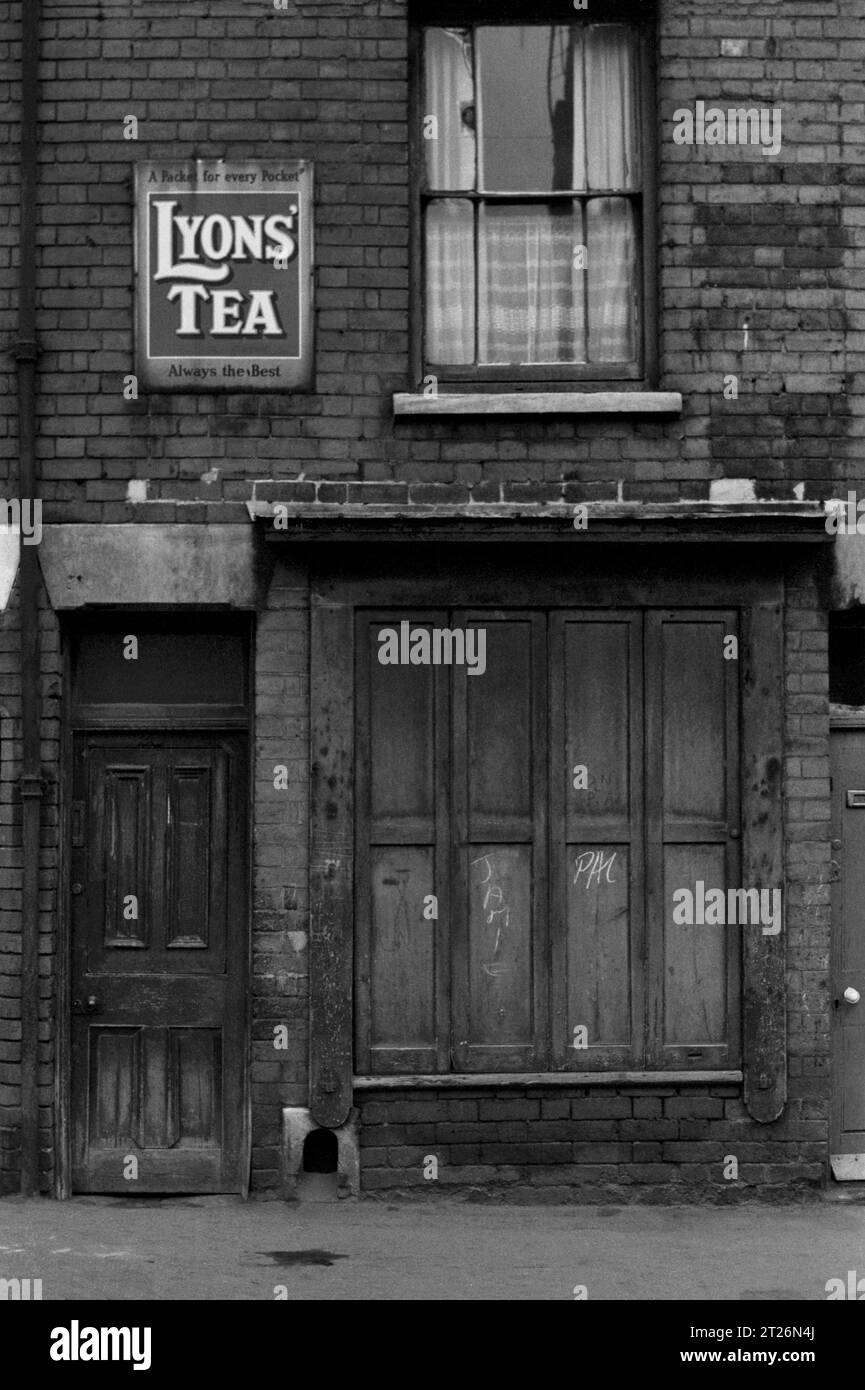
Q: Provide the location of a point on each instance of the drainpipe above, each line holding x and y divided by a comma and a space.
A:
31, 771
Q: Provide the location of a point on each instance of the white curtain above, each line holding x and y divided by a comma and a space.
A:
450, 282
612, 255
611, 124
532, 285
449, 227
448, 92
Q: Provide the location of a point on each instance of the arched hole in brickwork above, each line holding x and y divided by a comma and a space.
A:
320, 1152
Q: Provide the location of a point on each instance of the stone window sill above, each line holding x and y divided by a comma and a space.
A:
539, 403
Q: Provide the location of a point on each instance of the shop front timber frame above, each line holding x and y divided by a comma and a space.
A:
611, 577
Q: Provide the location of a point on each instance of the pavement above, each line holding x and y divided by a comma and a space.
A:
223, 1248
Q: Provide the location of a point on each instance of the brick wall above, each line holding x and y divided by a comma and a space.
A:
647, 1144
279, 1074
742, 237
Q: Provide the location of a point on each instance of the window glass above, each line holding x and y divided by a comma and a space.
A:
537, 262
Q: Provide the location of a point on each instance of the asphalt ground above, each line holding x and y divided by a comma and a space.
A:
103, 1248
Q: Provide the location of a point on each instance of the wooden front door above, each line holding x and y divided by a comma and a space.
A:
159, 962
848, 954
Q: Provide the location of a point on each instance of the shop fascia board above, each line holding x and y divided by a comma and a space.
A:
784, 522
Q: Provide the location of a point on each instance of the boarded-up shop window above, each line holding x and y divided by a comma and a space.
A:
521, 832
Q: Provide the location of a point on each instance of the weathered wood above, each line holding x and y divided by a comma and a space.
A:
566, 579
693, 824
846, 872
680, 523
398, 973
464, 1081
159, 906
498, 935
331, 859
597, 928
764, 999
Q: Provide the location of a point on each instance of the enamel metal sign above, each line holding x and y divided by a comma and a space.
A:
224, 275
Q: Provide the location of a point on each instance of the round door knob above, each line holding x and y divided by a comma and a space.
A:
851, 995
77, 888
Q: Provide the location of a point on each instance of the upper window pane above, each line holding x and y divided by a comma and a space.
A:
526, 81
531, 108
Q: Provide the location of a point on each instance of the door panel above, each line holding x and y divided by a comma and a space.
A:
400, 953
597, 838
403, 1030
499, 805
848, 954
692, 808
159, 947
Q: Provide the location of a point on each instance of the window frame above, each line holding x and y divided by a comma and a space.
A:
644, 372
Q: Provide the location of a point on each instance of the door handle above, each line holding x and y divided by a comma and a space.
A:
851, 995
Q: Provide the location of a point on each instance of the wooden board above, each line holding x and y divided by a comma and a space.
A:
764, 997
331, 866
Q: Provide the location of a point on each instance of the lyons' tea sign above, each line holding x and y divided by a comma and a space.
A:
224, 273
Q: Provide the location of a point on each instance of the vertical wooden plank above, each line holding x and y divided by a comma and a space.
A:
693, 699
442, 869
362, 884
597, 849
764, 1000
331, 858
655, 898
541, 944
500, 992
698, 685
396, 847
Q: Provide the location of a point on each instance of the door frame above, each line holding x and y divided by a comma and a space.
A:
156, 719
840, 723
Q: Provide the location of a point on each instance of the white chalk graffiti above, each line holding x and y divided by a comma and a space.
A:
593, 864
493, 894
